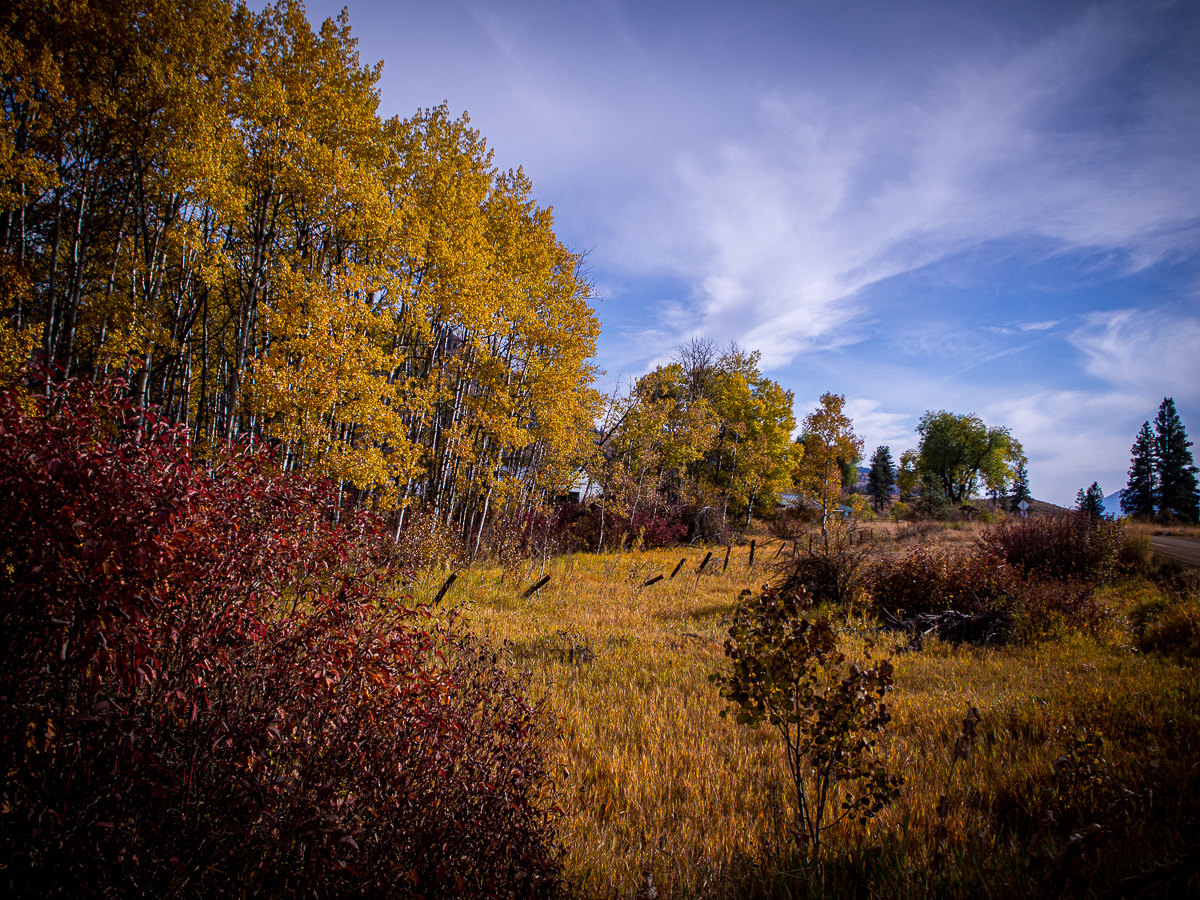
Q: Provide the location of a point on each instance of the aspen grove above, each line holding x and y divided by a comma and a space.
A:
205, 201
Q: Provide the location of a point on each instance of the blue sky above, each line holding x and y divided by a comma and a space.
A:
980, 207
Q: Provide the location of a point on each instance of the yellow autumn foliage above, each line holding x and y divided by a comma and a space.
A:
204, 199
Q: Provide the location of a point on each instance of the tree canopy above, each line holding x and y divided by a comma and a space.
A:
829, 442
205, 199
1090, 502
958, 452
708, 429
1173, 468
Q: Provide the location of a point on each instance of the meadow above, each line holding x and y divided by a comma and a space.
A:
1085, 777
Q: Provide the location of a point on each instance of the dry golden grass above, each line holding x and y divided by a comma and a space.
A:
653, 782
1150, 528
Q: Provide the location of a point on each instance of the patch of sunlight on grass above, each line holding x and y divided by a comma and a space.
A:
652, 780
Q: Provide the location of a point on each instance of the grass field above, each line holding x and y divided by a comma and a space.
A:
660, 795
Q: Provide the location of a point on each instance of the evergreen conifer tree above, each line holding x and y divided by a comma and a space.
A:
1091, 501
881, 478
1138, 499
1173, 465
1020, 489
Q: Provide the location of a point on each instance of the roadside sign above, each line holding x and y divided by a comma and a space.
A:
1022, 506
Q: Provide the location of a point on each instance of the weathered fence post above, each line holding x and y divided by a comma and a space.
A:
534, 588
445, 587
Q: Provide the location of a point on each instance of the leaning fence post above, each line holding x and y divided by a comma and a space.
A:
445, 587
752, 546
726, 564
533, 589
678, 567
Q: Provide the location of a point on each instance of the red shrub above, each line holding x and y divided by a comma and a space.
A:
1071, 545
973, 583
925, 582
572, 527
206, 688
1043, 607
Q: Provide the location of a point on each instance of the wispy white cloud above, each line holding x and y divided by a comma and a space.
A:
765, 174
1146, 353
878, 427
781, 230
1072, 438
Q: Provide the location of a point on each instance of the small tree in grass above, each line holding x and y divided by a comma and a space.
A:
787, 671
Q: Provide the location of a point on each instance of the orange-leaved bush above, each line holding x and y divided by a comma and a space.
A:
207, 686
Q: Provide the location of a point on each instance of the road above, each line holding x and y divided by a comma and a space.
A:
1182, 549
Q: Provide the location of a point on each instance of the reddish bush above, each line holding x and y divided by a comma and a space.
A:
658, 528
206, 687
570, 527
1044, 607
974, 583
1071, 545
925, 582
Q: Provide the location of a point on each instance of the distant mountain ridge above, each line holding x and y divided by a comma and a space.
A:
1112, 503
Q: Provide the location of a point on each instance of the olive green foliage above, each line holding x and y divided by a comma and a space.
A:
958, 452
787, 671
908, 480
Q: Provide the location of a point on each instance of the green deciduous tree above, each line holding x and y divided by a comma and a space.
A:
1139, 497
909, 479
1174, 470
957, 452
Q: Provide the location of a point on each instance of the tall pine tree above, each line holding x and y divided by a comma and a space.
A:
1173, 465
1020, 489
1138, 499
881, 477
